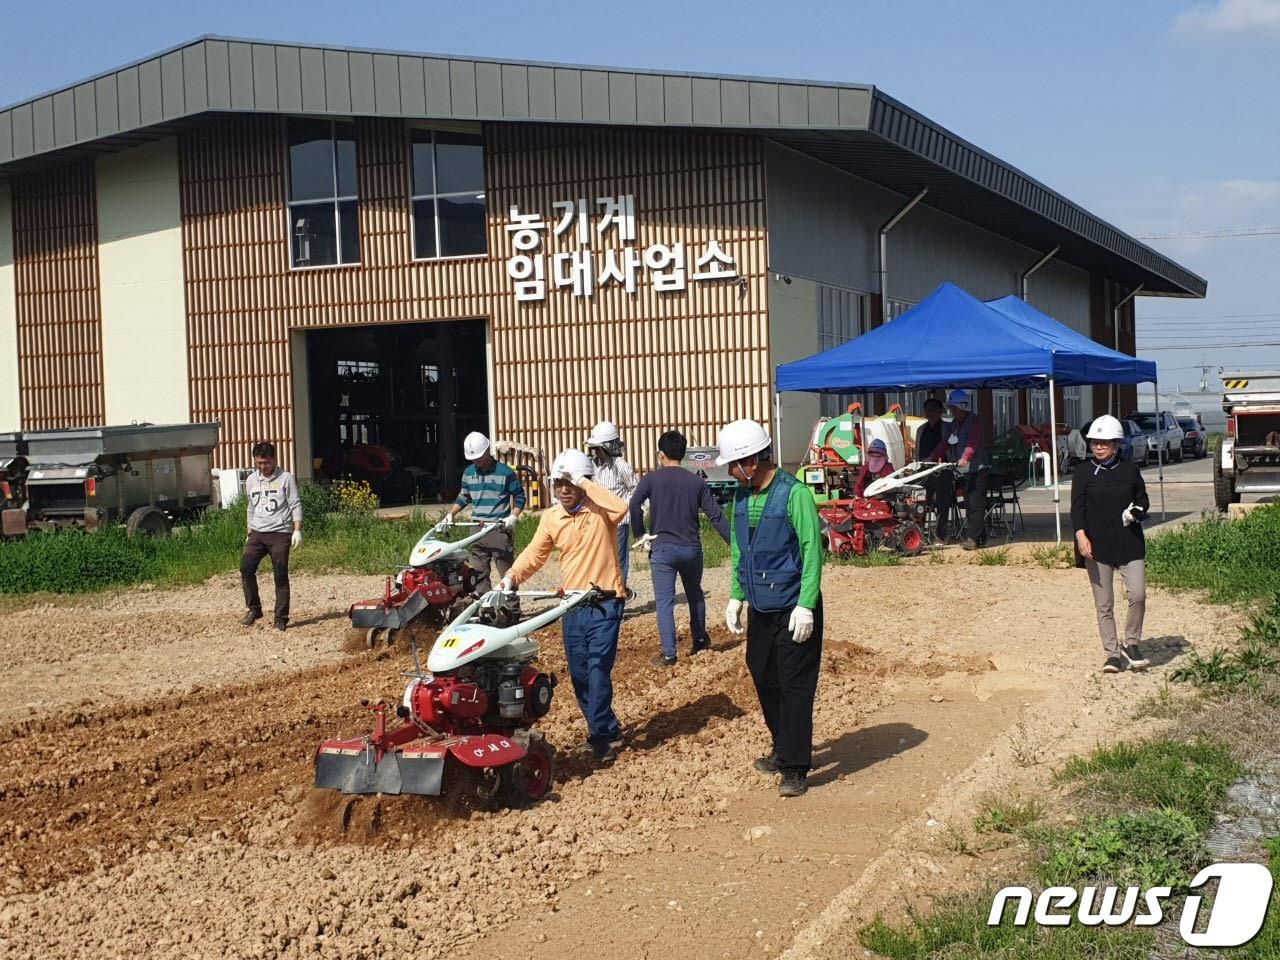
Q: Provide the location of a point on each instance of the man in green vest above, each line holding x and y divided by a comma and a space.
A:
776, 552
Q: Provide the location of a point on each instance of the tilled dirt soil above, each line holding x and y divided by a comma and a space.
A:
155, 762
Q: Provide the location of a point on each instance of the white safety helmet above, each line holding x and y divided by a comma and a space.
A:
475, 445
572, 461
958, 398
602, 433
739, 439
1106, 427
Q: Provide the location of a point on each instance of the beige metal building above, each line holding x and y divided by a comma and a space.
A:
338, 249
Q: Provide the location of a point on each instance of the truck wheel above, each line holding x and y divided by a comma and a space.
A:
148, 520
1224, 493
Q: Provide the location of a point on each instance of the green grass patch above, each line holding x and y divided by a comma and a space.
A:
956, 929
1266, 945
1190, 777
1235, 560
1157, 848
998, 557
353, 540
1225, 671
1058, 556
1009, 816
715, 552
876, 558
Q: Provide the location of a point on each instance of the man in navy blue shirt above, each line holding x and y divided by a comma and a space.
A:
675, 497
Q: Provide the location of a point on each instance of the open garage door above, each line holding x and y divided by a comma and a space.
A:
391, 403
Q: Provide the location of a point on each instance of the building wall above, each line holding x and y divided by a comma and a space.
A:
823, 226
793, 336
10, 400
59, 314
144, 327
649, 360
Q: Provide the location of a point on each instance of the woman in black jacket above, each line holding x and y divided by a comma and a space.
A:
1108, 504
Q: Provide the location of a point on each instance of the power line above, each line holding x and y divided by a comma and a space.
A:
1209, 346
1214, 234
1210, 316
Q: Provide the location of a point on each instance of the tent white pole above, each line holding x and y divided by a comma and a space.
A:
1160, 450
1053, 462
777, 425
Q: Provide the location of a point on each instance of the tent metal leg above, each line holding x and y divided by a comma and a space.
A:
777, 426
1053, 462
1160, 450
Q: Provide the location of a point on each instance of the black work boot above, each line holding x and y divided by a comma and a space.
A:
1136, 660
700, 645
661, 662
251, 617
794, 783
1113, 665
282, 625
768, 765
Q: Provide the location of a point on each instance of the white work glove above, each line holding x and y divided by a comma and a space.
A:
645, 543
1132, 514
507, 585
578, 479
295, 539
801, 625
509, 521
446, 521
733, 616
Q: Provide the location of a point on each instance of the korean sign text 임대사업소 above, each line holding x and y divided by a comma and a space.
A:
605, 252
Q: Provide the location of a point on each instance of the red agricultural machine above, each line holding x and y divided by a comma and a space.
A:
891, 516
437, 582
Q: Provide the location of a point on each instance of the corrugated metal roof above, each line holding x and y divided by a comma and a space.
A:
853, 126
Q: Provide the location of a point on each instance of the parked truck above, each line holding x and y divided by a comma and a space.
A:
146, 476
1249, 458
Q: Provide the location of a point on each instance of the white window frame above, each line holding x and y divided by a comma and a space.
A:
337, 199
1072, 406
414, 197
1002, 402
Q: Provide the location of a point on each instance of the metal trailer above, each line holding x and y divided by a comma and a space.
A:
1249, 459
145, 476
702, 461
13, 476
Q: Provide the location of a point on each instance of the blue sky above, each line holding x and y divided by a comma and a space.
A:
1158, 116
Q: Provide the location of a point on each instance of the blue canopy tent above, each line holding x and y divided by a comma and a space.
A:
952, 339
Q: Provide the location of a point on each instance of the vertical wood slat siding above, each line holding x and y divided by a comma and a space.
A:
651, 361
59, 311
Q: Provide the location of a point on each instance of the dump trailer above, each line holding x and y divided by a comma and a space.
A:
1249, 459
13, 475
146, 476
702, 461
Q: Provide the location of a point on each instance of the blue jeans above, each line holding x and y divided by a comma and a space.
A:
624, 558
665, 561
590, 646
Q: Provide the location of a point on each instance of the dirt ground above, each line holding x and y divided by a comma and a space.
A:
155, 770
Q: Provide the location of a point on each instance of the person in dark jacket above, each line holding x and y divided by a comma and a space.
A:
965, 445
940, 487
676, 496
1108, 504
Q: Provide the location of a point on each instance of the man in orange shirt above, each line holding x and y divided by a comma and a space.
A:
584, 526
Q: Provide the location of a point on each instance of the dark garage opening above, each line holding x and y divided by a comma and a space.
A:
390, 405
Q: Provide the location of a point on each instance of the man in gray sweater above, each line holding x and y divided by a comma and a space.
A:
275, 526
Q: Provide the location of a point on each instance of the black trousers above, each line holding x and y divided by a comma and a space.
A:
259, 545
786, 678
975, 501
498, 546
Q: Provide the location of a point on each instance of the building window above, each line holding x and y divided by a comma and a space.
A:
448, 194
1038, 406
1072, 406
359, 369
1004, 405
911, 401
324, 208
841, 317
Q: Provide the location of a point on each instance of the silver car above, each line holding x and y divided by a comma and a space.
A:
1164, 435
1135, 446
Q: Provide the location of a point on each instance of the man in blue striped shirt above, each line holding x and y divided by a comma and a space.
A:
493, 492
